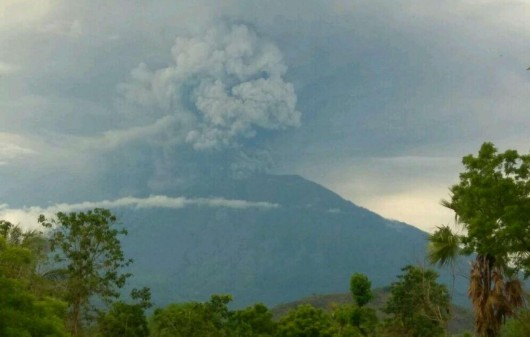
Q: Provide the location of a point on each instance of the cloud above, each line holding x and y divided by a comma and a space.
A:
27, 217
72, 29
8, 69
228, 84
13, 147
8, 150
418, 206
22, 13
406, 188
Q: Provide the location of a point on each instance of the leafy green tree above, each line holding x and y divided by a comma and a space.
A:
181, 320
21, 312
352, 320
16, 262
365, 319
355, 319
492, 204
87, 247
192, 319
305, 321
341, 316
22, 253
361, 289
28, 261
126, 320
418, 306
254, 321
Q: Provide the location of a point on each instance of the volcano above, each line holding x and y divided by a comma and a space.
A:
305, 240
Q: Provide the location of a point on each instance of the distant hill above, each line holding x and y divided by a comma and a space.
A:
309, 243
462, 318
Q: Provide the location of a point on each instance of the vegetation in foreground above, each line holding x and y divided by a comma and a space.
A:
66, 281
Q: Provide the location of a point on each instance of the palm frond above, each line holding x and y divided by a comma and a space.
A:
444, 246
515, 293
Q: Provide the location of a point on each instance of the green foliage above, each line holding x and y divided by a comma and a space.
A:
465, 334
418, 306
212, 319
305, 321
143, 296
22, 312
125, 320
342, 318
361, 289
444, 246
517, 326
87, 245
254, 321
15, 262
492, 204
23, 252
352, 320
192, 319
365, 320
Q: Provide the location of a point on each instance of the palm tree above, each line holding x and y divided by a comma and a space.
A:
443, 249
493, 293
445, 246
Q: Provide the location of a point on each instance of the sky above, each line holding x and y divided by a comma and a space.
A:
110, 102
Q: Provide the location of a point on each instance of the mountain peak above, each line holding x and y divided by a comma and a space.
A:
285, 190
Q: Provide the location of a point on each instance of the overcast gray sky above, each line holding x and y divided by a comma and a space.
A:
377, 100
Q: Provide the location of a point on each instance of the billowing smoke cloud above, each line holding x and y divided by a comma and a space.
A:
220, 89
27, 217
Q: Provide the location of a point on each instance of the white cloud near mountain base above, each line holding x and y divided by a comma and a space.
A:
27, 217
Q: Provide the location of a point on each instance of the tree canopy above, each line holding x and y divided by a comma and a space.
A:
25, 310
492, 202
86, 245
492, 205
361, 289
418, 305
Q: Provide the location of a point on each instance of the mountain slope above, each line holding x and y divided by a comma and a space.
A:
310, 243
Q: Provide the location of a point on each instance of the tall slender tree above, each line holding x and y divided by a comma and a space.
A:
86, 245
361, 289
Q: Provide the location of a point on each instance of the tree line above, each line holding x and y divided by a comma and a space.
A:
66, 279
67, 282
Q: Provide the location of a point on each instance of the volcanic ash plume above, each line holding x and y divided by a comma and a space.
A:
221, 88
